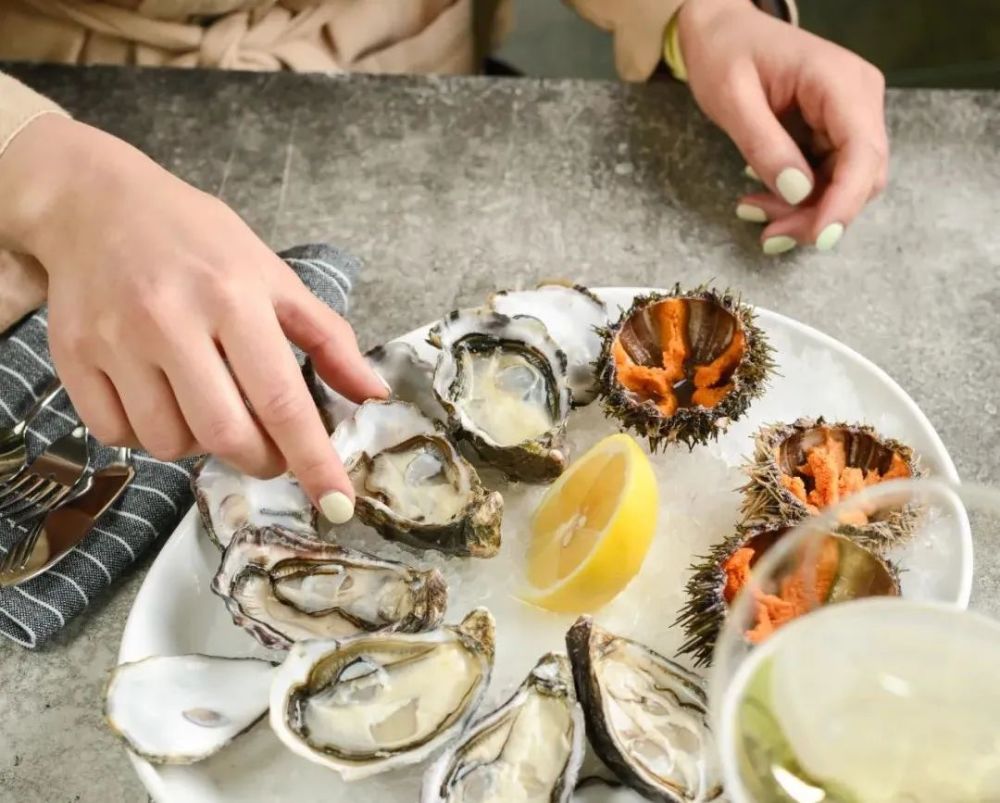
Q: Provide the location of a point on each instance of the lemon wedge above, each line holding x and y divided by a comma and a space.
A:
593, 528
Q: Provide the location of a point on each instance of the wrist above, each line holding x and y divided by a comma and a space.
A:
49, 171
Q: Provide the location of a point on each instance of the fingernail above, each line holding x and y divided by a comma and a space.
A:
778, 245
829, 237
388, 390
337, 508
793, 185
751, 213
751, 173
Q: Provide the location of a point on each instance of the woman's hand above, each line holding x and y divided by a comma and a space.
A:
747, 70
166, 312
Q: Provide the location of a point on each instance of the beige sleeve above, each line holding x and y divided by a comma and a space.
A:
22, 279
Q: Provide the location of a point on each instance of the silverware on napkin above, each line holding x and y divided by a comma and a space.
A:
66, 526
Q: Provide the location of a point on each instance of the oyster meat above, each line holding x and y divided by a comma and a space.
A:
180, 709
408, 376
529, 749
375, 702
413, 486
681, 366
646, 716
803, 468
228, 500
283, 587
574, 317
504, 385
841, 569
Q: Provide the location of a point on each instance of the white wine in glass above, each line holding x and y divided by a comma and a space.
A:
876, 700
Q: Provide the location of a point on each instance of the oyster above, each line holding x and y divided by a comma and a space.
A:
646, 716
600, 790
681, 366
408, 376
528, 749
503, 382
375, 702
413, 486
181, 709
803, 468
574, 317
283, 587
844, 569
228, 500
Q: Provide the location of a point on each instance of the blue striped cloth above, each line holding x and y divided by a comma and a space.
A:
33, 612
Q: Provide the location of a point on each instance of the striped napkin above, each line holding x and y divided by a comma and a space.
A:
33, 612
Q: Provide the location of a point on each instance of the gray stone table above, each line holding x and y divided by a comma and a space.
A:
450, 188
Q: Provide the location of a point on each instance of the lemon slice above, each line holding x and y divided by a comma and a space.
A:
593, 528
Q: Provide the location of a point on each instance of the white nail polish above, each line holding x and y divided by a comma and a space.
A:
336, 508
751, 213
778, 245
829, 237
749, 172
793, 185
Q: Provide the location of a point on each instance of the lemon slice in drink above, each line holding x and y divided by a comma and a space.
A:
593, 528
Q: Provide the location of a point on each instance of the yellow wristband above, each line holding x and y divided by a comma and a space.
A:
672, 50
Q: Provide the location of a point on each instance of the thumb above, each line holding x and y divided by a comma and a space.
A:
330, 342
768, 148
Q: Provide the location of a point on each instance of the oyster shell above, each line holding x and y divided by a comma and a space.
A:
413, 486
717, 580
408, 376
283, 587
228, 500
681, 366
600, 790
574, 317
503, 382
375, 702
180, 709
802, 468
646, 716
529, 749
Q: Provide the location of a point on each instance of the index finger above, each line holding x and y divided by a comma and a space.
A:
265, 367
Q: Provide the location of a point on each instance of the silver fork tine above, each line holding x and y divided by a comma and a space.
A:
41, 498
19, 555
24, 484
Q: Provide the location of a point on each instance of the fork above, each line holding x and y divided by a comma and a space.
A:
13, 448
68, 524
50, 479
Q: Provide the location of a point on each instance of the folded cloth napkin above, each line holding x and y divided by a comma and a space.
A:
33, 612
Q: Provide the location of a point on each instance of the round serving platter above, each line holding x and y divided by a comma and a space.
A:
175, 611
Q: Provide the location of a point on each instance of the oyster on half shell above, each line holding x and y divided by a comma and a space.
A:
375, 702
529, 749
503, 382
179, 709
228, 500
413, 486
283, 587
408, 376
574, 317
647, 717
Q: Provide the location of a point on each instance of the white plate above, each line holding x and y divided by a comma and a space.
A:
175, 612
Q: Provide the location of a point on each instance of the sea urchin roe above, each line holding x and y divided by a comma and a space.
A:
800, 592
662, 371
825, 479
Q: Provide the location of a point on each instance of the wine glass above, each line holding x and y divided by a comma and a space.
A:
839, 677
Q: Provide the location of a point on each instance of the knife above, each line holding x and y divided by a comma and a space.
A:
67, 526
